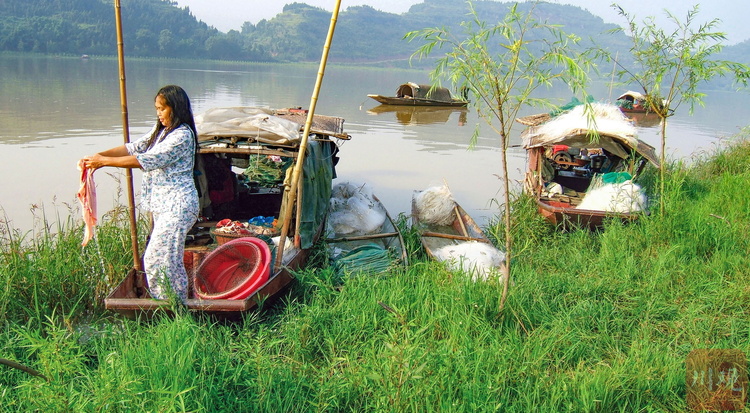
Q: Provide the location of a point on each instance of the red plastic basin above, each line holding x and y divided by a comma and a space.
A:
234, 270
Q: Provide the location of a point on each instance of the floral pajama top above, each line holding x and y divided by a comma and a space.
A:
169, 192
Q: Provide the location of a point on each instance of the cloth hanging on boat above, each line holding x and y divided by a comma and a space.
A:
317, 171
87, 196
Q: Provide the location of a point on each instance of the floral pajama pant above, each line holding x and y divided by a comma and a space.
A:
163, 258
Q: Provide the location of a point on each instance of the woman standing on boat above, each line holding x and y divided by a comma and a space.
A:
167, 156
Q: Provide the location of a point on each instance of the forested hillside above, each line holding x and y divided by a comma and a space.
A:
158, 28
151, 28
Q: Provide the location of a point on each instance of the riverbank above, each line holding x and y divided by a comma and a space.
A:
595, 321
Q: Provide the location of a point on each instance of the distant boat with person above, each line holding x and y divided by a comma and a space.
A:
412, 94
636, 102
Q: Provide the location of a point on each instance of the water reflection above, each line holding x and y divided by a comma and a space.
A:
644, 120
421, 115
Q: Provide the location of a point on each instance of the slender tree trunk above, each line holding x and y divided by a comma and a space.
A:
662, 162
506, 183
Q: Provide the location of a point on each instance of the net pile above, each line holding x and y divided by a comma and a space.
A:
354, 211
365, 259
256, 123
479, 259
435, 205
623, 197
617, 134
267, 171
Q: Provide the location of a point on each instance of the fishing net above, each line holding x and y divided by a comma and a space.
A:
479, 259
617, 134
574, 101
353, 210
267, 171
365, 259
622, 197
435, 205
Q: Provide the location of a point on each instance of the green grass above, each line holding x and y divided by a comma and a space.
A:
595, 322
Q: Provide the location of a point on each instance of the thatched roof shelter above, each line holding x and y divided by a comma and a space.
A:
604, 127
423, 92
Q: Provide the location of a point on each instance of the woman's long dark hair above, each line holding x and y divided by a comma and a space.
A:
179, 102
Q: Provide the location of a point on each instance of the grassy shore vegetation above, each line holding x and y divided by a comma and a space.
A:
596, 322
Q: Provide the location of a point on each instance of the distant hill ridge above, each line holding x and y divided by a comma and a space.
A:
159, 28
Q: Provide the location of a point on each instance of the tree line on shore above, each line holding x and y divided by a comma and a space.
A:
160, 28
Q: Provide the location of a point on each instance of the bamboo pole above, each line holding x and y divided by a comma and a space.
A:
19, 366
298, 213
126, 137
363, 237
297, 172
460, 219
452, 236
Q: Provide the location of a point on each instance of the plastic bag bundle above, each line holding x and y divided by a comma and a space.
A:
479, 259
354, 211
622, 197
289, 249
435, 205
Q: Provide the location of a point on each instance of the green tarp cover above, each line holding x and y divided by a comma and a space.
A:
317, 172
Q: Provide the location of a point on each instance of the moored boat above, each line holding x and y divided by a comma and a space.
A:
412, 94
361, 236
265, 145
579, 179
632, 102
450, 235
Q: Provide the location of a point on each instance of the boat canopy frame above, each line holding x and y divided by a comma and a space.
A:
416, 91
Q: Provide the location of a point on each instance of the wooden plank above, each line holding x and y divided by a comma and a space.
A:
249, 151
452, 236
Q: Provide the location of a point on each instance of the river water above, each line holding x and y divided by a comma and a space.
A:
55, 110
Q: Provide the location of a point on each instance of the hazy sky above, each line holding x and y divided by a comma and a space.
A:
230, 14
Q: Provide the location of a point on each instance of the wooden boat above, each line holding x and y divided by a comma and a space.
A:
412, 94
564, 160
258, 134
356, 245
632, 102
437, 236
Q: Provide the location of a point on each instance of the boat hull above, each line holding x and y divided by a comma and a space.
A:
132, 300
565, 216
389, 238
392, 100
433, 237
